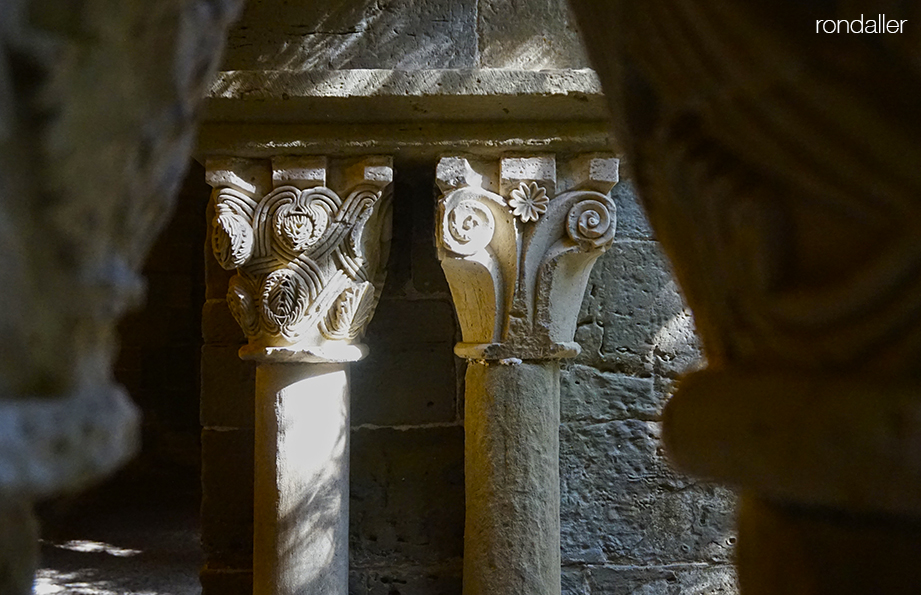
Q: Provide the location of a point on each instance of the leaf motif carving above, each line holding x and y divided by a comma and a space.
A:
284, 302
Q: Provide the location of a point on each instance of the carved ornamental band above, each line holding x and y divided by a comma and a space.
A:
517, 245
310, 261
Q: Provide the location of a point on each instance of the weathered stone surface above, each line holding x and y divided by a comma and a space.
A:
218, 325
407, 497
408, 580
227, 385
227, 498
93, 141
574, 580
512, 531
408, 378
633, 320
587, 394
223, 581
622, 504
354, 35
546, 38
632, 223
668, 580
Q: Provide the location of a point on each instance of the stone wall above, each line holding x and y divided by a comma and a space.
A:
400, 35
629, 523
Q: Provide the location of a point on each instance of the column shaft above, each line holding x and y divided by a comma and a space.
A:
512, 534
301, 479
796, 550
18, 547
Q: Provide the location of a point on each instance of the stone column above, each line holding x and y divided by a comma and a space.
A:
782, 180
94, 137
517, 244
310, 266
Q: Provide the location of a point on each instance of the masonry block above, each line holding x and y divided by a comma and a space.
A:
407, 581
218, 324
227, 498
587, 394
409, 376
676, 580
228, 386
633, 320
407, 497
622, 504
363, 34
547, 38
632, 223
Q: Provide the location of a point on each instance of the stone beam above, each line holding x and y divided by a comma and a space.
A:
309, 241
517, 239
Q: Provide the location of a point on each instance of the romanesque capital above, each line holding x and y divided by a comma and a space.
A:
310, 254
517, 243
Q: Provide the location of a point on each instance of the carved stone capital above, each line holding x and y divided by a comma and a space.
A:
517, 243
310, 255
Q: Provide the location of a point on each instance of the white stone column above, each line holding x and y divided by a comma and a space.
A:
517, 243
301, 494
311, 264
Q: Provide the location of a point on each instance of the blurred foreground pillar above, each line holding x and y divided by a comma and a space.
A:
517, 243
779, 168
310, 265
94, 140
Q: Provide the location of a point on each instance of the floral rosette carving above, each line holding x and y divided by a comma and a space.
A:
529, 201
591, 222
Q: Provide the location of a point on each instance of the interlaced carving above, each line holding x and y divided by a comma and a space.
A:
309, 262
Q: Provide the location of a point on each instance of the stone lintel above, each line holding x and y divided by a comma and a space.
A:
415, 142
364, 95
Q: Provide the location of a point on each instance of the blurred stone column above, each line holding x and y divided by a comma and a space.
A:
310, 266
94, 140
779, 168
517, 242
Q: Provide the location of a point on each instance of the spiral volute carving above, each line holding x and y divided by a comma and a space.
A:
468, 227
591, 223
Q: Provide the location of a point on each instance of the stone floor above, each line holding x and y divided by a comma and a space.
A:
127, 537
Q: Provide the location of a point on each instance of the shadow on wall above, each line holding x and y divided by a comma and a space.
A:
347, 34
405, 35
